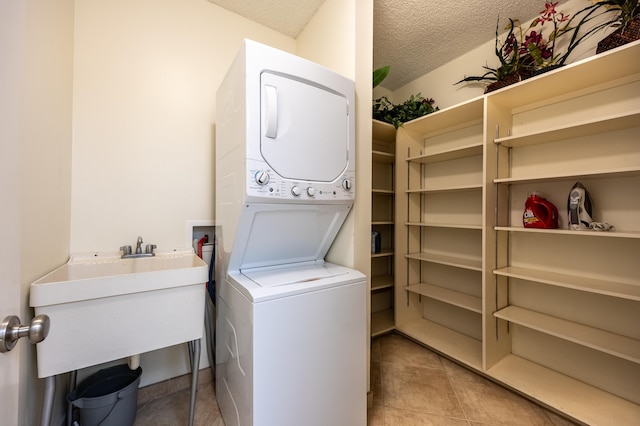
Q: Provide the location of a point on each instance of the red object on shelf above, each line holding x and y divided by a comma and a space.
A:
539, 213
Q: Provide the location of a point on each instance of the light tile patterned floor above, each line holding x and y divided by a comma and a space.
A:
161, 405
412, 386
415, 386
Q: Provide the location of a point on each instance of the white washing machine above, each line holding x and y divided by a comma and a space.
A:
291, 328
292, 353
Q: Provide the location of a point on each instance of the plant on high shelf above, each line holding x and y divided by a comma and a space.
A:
543, 51
517, 54
384, 110
414, 107
526, 51
626, 18
580, 26
625, 11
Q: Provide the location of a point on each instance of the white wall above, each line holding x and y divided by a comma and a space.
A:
439, 83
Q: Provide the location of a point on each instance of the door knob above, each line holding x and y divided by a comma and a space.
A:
11, 330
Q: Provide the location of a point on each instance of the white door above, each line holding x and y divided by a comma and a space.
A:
9, 305
11, 38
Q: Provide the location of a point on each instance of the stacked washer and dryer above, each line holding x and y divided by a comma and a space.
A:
291, 328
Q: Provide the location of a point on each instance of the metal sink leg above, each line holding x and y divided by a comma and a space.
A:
194, 359
47, 405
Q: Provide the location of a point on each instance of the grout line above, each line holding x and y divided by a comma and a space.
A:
447, 372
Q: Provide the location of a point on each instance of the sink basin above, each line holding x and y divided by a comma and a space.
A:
103, 308
91, 277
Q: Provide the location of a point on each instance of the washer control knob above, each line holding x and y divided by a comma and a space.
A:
311, 191
261, 177
346, 184
295, 191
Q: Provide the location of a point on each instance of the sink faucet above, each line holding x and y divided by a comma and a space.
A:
148, 250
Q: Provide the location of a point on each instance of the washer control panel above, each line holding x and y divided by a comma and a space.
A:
263, 183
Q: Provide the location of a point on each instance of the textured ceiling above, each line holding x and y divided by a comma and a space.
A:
413, 36
417, 36
286, 16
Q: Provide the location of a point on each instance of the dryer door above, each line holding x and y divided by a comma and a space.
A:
304, 129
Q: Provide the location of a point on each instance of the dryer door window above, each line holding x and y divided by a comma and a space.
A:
304, 129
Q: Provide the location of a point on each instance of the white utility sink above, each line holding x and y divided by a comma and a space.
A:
104, 308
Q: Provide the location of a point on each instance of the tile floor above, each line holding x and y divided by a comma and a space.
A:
412, 386
415, 386
167, 403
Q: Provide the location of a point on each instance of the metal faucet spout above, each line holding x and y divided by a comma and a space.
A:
139, 246
148, 251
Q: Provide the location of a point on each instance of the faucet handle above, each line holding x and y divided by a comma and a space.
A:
149, 248
126, 250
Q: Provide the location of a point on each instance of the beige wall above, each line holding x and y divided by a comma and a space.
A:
328, 39
362, 210
145, 78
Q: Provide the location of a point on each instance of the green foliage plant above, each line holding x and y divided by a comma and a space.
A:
414, 107
380, 74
